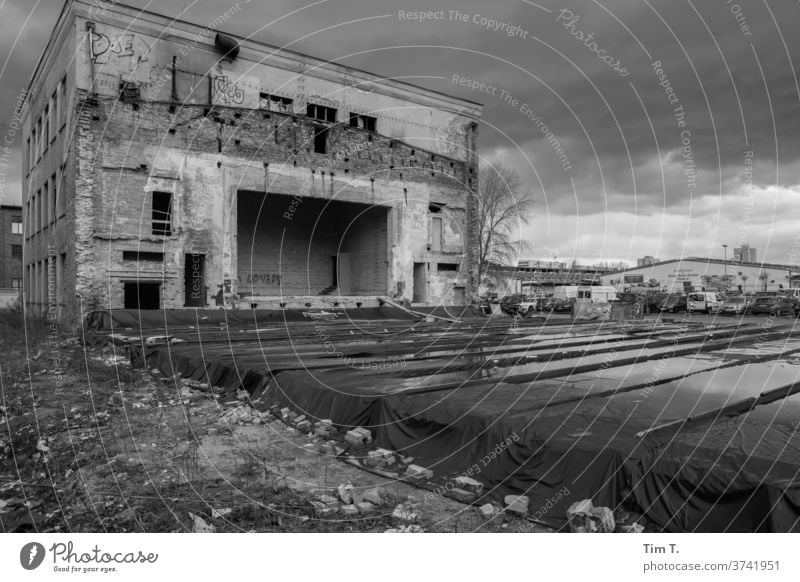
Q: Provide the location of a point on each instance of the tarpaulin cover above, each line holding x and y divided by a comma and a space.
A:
108, 319
737, 471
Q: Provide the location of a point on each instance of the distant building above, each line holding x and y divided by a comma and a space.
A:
537, 264
646, 261
10, 247
745, 254
698, 274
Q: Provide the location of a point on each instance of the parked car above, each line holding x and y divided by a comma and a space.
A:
563, 304
529, 304
734, 305
705, 301
517, 303
673, 303
774, 305
510, 303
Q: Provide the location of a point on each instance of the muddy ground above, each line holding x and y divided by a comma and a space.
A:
88, 444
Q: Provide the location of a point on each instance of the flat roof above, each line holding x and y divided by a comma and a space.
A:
705, 260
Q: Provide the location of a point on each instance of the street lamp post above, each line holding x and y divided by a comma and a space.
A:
725, 280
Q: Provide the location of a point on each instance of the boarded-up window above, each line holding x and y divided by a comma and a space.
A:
436, 233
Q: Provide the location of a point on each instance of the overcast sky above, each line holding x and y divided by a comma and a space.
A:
655, 160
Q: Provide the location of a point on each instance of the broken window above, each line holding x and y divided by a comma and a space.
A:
362, 121
142, 256
275, 103
320, 139
162, 213
142, 295
16, 252
321, 113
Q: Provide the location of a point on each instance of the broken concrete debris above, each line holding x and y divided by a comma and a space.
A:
584, 517
492, 514
418, 472
406, 529
373, 496
325, 429
517, 505
365, 507
469, 484
349, 510
404, 513
358, 436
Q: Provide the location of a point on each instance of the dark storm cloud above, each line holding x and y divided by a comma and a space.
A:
724, 61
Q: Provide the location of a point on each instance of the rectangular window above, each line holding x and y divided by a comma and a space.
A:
162, 213
440, 267
16, 225
321, 113
60, 200
28, 156
46, 203
54, 110
62, 103
53, 198
275, 103
16, 252
142, 256
35, 148
320, 139
46, 128
37, 226
362, 121
436, 234
16, 283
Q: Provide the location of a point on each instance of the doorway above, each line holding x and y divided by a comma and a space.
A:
142, 295
194, 280
420, 283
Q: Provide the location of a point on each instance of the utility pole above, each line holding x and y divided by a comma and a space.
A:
725, 280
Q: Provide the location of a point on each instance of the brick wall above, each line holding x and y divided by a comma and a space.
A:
204, 156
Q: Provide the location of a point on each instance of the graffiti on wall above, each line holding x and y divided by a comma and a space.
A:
259, 280
124, 47
227, 92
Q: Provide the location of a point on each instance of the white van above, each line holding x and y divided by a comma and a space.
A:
706, 301
597, 293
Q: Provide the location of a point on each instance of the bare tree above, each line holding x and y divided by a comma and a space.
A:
503, 207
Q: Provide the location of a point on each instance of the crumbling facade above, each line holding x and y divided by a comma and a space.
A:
171, 166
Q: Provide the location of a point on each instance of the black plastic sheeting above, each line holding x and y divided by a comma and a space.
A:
109, 319
733, 471
733, 474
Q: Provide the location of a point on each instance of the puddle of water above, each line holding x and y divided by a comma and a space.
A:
707, 391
